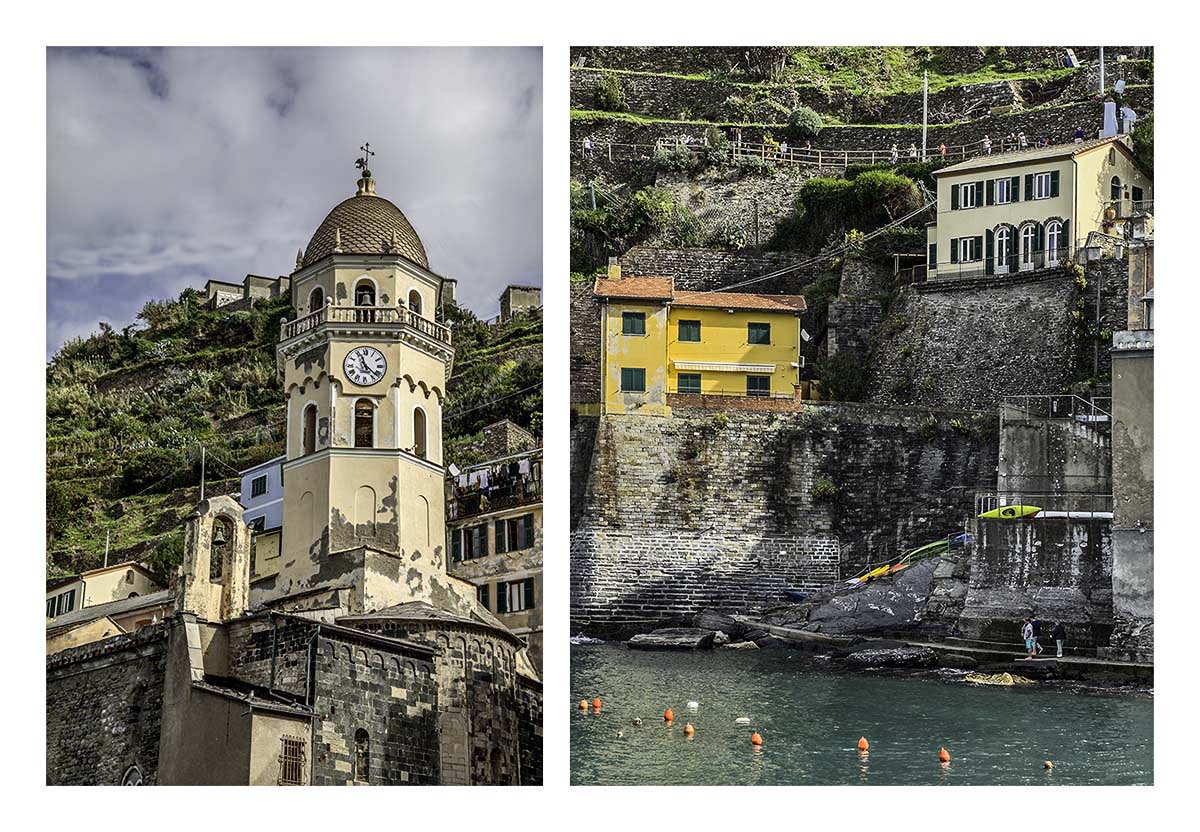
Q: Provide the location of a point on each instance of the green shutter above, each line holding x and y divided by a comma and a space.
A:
501, 537
979, 189
529, 593
484, 597
978, 245
991, 192
529, 532
953, 197
1015, 196
1067, 244
989, 253
483, 541
456, 545
1053, 183
1029, 186
501, 597
933, 255
954, 251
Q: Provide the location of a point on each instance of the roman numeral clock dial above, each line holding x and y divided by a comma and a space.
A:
364, 366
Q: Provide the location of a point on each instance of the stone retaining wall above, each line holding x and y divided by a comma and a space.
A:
706, 270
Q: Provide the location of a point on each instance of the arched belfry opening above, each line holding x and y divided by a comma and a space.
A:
414, 301
214, 579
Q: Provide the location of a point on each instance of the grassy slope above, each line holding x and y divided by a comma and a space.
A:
186, 376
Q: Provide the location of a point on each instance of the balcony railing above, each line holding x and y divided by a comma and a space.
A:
1052, 504
1016, 263
364, 315
1094, 410
522, 490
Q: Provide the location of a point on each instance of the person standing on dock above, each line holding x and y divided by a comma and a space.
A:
1037, 636
1027, 634
1059, 635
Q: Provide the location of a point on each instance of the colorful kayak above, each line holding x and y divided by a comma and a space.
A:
1011, 513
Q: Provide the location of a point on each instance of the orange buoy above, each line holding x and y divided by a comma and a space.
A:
669, 715
863, 745
688, 729
583, 704
944, 755
755, 739
1047, 765
596, 703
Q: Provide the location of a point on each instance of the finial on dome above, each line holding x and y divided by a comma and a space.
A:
366, 183
299, 258
393, 245
337, 240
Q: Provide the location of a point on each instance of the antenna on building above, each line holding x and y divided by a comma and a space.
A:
925, 119
202, 461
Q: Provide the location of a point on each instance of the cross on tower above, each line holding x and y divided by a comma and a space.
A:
363, 161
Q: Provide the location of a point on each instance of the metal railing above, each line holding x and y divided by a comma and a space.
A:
1008, 264
1068, 503
805, 156
1126, 208
519, 491
729, 394
1094, 410
364, 315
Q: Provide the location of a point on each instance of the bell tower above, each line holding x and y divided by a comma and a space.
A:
364, 362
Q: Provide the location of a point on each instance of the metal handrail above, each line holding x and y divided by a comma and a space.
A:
1061, 406
1064, 501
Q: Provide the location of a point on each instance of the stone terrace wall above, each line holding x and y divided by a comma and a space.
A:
1055, 569
677, 513
585, 344
104, 705
705, 269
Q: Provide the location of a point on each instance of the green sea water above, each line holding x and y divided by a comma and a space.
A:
811, 716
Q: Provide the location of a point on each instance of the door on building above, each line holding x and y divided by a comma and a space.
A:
1028, 247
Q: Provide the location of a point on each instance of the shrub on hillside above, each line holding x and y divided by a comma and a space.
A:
609, 94
148, 467
804, 123
677, 158
827, 208
1143, 141
843, 377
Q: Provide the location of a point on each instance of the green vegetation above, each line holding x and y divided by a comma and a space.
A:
127, 412
609, 94
824, 489
1143, 141
843, 377
803, 123
618, 223
828, 208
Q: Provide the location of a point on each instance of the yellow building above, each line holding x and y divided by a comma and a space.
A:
659, 342
98, 586
1032, 209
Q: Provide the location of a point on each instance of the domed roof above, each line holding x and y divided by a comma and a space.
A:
365, 224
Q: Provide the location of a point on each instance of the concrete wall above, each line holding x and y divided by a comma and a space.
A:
1053, 456
658, 535
1054, 569
104, 709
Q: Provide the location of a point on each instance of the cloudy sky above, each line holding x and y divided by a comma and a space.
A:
167, 167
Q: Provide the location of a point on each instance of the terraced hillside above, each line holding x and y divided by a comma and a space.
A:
127, 412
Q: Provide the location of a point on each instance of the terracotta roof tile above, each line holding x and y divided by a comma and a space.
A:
742, 300
637, 288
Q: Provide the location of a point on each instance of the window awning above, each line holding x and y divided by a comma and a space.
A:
721, 367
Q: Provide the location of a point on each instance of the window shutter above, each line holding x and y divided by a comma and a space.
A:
953, 197
954, 251
990, 253
501, 537
1041, 236
501, 597
529, 593
991, 192
978, 246
483, 541
529, 534
1015, 190
484, 600
1012, 241
933, 255
1066, 243
1029, 186
1053, 183
456, 544
979, 189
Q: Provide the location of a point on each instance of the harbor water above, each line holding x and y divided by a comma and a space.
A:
811, 715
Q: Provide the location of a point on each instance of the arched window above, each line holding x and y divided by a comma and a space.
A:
419, 446
1114, 191
364, 293
222, 543
132, 777
316, 299
1028, 245
364, 424
309, 438
362, 756
1003, 244
414, 301
1053, 240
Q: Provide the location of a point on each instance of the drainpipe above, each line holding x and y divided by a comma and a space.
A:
274, 637
310, 672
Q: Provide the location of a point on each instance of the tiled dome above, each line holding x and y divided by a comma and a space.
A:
367, 224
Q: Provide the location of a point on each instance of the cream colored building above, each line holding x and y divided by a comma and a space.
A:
98, 586
1033, 209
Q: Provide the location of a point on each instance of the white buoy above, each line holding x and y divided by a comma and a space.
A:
693, 705
742, 720
637, 720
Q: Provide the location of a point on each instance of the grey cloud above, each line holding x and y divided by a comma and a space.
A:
169, 167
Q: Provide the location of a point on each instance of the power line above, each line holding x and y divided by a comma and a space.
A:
454, 413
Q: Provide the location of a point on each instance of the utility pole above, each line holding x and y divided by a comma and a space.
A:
1101, 71
106, 538
202, 461
925, 120
592, 192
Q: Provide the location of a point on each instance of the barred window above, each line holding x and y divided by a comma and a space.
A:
291, 761
362, 756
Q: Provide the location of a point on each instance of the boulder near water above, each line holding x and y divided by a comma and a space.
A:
673, 638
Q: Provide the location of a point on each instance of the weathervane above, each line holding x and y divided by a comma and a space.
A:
363, 161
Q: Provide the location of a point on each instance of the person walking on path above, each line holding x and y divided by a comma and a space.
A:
1027, 634
895, 153
1060, 635
987, 144
942, 149
587, 147
1037, 636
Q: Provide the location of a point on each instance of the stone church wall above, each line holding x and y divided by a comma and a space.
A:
104, 709
728, 509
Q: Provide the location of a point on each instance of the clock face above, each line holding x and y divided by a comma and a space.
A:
364, 366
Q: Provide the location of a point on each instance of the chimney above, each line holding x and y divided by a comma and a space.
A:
614, 269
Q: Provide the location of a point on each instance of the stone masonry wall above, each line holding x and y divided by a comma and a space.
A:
706, 270
725, 509
585, 343
104, 706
